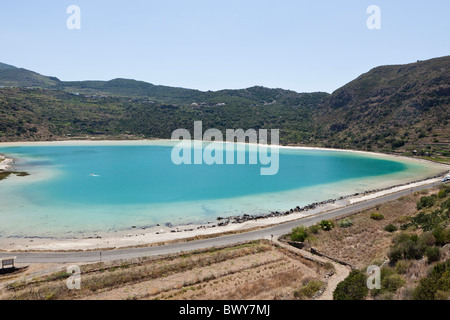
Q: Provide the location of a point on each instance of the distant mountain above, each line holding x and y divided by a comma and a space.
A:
11, 76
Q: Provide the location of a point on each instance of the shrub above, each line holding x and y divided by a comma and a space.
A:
412, 250
438, 280
395, 254
314, 229
309, 289
401, 267
353, 287
428, 239
425, 202
429, 221
390, 228
299, 234
346, 223
441, 235
376, 216
442, 193
442, 295
392, 283
405, 226
406, 247
433, 254
445, 204
326, 225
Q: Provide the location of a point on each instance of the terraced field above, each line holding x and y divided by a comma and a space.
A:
256, 270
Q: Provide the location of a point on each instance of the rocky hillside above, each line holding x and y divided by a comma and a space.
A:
393, 108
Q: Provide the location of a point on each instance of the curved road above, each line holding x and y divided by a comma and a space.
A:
276, 231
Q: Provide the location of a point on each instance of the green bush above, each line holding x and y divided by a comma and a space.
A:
445, 204
436, 284
405, 226
309, 289
442, 193
426, 202
395, 254
299, 233
406, 247
428, 239
390, 228
376, 216
441, 235
412, 250
354, 287
401, 267
433, 254
429, 221
392, 283
346, 223
326, 225
442, 295
314, 229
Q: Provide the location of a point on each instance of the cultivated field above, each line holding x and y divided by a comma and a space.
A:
256, 270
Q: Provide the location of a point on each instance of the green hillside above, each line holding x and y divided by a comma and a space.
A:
18, 77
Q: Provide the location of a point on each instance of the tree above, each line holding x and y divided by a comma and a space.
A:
353, 287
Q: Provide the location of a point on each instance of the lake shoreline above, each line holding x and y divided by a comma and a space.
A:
148, 235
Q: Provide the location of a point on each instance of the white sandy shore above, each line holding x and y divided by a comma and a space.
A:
155, 235
158, 234
5, 163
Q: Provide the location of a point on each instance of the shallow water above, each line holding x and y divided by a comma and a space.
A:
74, 189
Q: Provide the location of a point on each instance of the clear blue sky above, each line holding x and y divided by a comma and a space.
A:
213, 44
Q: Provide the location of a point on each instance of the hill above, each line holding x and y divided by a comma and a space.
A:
11, 76
400, 109
391, 108
4, 66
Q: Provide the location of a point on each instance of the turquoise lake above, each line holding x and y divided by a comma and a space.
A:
80, 189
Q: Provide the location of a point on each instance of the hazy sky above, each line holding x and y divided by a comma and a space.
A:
213, 44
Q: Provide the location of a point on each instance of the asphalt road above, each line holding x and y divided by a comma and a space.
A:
278, 230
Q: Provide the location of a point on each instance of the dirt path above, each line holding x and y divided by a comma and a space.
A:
340, 273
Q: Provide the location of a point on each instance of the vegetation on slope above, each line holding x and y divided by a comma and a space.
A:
413, 258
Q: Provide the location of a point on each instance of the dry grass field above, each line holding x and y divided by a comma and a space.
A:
256, 270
